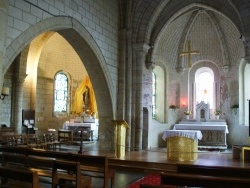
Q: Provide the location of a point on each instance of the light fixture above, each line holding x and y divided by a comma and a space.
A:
5, 92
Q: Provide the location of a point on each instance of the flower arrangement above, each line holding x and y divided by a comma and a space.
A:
187, 112
217, 112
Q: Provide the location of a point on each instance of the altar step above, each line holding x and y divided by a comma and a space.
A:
208, 147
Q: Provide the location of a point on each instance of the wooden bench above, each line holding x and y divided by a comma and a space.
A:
214, 170
20, 175
181, 179
93, 166
66, 179
206, 176
47, 168
42, 166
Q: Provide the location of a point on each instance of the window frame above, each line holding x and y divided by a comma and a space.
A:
67, 107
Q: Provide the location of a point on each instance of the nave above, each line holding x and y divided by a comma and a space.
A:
137, 164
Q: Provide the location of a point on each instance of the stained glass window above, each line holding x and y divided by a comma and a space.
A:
153, 94
61, 92
205, 89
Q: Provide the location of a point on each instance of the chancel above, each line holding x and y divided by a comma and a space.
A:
78, 65
214, 132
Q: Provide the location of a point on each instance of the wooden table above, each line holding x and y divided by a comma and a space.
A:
65, 135
84, 129
214, 132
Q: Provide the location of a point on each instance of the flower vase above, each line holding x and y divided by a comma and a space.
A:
217, 117
187, 116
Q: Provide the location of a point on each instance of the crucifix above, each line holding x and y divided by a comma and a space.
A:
189, 53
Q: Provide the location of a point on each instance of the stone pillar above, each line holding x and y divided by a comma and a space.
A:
121, 77
128, 107
140, 54
17, 99
247, 48
3, 25
18, 104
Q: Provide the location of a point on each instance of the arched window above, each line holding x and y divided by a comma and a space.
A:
204, 79
158, 94
61, 92
244, 92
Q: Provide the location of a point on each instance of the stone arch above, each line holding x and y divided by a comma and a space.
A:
84, 45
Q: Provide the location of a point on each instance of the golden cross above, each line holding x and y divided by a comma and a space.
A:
189, 53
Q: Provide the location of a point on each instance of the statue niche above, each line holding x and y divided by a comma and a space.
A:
202, 111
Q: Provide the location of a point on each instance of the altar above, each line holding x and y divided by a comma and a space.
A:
182, 145
214, 132
90, 130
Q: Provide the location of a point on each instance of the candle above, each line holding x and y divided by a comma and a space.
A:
5, 91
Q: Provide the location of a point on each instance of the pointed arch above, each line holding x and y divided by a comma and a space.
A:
84, 45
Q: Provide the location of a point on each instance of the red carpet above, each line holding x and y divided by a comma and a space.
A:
153, 179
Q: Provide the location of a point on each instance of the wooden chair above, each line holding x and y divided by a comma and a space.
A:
68, 174
19, 174
50, 141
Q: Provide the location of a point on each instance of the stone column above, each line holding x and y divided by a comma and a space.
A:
140, 55
247, 48
17, 99
121, 76
128, 107
3, 25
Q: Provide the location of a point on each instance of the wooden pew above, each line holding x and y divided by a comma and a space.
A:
19, 174
93, 166
181, 179
214, 170
44, 167
48, 154
72, 179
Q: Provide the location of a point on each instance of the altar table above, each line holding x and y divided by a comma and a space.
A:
214, 133
88, 129
182, 145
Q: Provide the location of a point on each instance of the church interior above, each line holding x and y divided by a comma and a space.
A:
128, 76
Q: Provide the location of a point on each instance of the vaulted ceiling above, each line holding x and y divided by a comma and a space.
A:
212, 27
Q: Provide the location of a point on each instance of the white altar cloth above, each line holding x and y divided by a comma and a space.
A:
201, 127
70, 125
184, 133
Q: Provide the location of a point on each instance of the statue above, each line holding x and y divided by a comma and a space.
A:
86, 101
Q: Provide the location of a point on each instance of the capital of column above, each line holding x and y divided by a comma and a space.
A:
20, 79
247, 59
246, 39
141, 47
142, 50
